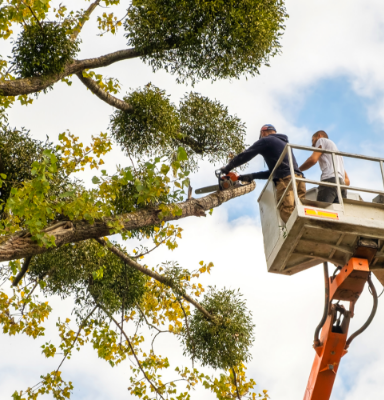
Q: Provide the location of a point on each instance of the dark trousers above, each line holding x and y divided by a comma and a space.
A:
328, 194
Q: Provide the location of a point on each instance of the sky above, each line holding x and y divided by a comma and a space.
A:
330, 76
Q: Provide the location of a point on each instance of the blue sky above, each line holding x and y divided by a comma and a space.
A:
331, 105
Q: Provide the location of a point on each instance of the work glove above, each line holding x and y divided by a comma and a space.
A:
221, 171
246, 178
225, 170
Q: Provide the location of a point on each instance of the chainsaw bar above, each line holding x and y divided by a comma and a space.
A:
207, 189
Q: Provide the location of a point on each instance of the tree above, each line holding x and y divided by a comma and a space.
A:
59, 225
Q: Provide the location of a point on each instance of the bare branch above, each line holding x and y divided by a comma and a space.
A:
77, 336
29, 295
103, 95
235, 379
114, 25
85, 18
148, 323
22, 272
20, 245
188, 332
149, 251
160, 278
37, 83
34, 15
35, 387
134, 354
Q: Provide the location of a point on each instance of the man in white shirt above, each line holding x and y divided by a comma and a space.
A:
326, 193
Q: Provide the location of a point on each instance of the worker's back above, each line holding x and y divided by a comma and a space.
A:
325, 161
270, 148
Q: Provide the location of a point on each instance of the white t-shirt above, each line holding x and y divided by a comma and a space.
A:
325, 160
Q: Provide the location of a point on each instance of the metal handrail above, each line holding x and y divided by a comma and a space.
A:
354, 188
338, 185
337, 153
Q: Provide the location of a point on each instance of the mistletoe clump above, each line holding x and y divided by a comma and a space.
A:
43, 48
151, 127
199, 39
209, 129
155, 126
91, 274
18, 151
225, 342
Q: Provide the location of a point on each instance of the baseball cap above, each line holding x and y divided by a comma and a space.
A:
268, 127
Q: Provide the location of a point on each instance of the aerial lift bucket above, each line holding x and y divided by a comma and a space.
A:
349, 234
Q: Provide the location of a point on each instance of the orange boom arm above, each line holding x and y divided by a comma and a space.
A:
333, 343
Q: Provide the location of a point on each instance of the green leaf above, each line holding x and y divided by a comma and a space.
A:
16, 396
164, 169
67, 194
95, 180
182, 154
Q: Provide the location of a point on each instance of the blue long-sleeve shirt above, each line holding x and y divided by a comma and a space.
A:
270, 148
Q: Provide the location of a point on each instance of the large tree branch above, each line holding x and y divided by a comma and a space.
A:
20, 245
32, 85
160, 278
22, 272
103, 95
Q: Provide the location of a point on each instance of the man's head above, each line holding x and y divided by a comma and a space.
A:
267, 130
316, 136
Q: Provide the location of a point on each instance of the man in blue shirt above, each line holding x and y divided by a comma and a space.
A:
270, 145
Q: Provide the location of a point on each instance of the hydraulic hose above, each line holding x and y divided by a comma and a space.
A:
316, 340
373, 312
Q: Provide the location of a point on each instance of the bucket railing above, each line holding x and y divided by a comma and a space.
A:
288, 150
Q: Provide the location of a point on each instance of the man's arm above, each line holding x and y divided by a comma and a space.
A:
254, 175
311, 161
347, 181
244, 157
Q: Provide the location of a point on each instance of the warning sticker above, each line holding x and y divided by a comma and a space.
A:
321, 213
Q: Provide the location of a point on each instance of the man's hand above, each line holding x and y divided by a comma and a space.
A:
246, 178
224, 170
347, 181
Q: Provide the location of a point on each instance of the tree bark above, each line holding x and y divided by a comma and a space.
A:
103, 95
20, 245
32, 85
22, 272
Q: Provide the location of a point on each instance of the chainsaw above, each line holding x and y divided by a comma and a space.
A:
225, 182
